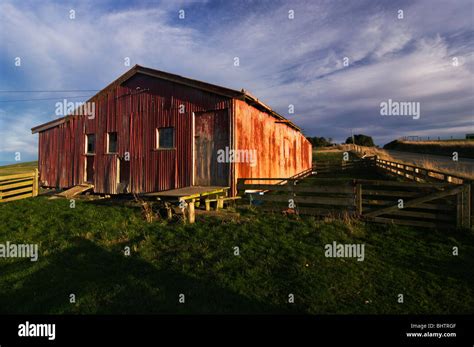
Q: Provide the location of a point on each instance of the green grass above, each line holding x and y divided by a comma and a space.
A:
335, 156
81, 252
18, 168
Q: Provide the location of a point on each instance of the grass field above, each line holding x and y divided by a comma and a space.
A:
18, 168
327, 154
465, 148
81, 252
457, 170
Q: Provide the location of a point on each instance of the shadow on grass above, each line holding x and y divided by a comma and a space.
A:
106, 283
429, 252
115, 200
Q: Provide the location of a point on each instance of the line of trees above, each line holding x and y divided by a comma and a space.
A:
320, 141
361, 140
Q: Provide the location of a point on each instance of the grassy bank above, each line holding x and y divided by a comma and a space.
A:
459, 169
18, 168
82, 252
464, 148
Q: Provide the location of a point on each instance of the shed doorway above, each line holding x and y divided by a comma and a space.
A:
123, 175
211, 134
89, 169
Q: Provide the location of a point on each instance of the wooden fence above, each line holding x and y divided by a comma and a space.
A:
407, 171
430, 205
345, 166
417, 173
20, 186
320, 199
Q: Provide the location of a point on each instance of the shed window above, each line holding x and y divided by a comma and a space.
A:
90, 143
165, 137
112, 142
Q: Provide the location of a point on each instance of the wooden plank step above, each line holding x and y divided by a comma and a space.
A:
81, 188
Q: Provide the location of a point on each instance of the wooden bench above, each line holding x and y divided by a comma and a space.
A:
189, 197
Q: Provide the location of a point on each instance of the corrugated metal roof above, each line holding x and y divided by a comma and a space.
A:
212, 88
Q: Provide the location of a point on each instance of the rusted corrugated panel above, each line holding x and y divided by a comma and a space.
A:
134, 114
58, 159
282, 151
211, 136
157, 170
143, 104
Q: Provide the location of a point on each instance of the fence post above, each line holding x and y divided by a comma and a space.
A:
471, 190
464, 208
35, 183
458, 210
466, 201
190, 212
291, 191
358, 198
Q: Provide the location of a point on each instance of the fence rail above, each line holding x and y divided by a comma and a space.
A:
19, 186
322, 199
327, 167
417, 173
430, 205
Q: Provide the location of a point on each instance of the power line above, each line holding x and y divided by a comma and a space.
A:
49, 91
56, 98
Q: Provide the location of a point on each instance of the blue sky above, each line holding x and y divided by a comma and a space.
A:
282, 61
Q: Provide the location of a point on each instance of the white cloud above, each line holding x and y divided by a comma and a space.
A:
282, 61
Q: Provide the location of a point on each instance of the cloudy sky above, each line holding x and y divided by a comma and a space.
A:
425, 57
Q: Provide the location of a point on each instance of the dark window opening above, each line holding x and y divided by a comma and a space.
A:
90, 143
111, 142
165, 137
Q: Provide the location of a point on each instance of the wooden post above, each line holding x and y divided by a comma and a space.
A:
220, 202
216, 198
35, 183
459, 210
471, 191
191, 215
466, 207
169, 211
291, 193
358, 199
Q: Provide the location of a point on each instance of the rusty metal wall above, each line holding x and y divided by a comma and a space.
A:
59, 162
282, 151
134, 111
212, 137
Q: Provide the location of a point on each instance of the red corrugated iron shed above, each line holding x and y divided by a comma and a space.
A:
154, 131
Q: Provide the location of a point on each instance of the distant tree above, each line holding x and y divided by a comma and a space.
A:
361, 140
319, 141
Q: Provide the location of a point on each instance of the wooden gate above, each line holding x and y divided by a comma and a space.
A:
430, 205
19, 186
434, 205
